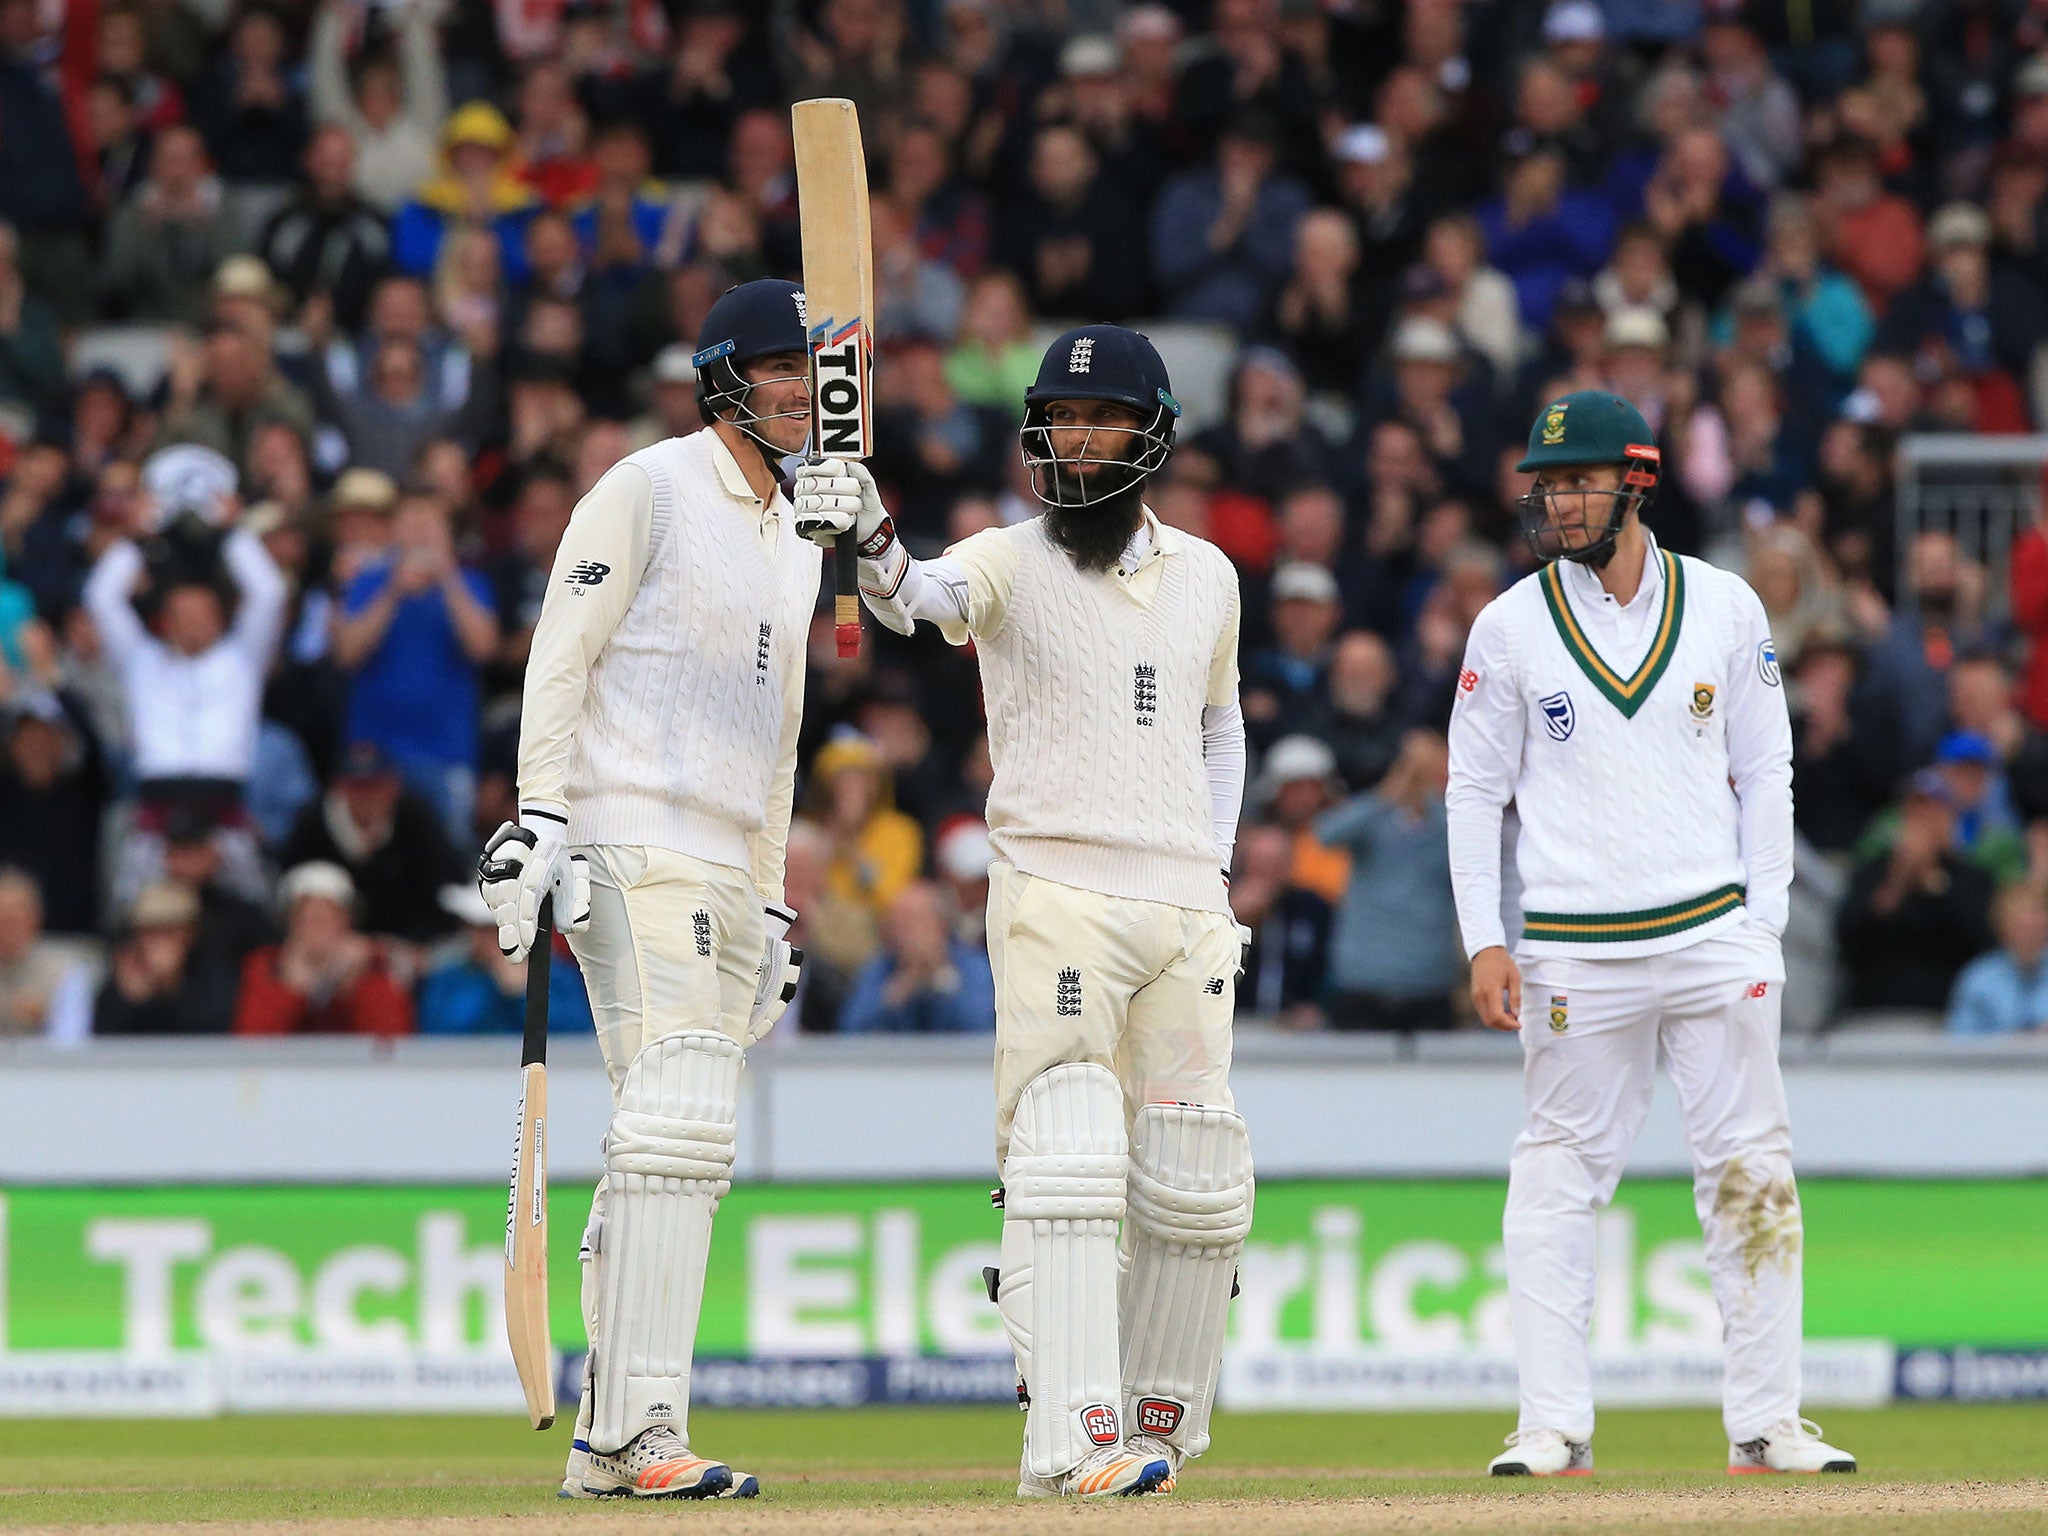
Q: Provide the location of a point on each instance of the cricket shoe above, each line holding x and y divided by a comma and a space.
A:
655, 1464
1152, 1448
1793, 1446
1110, 1473
1543, 1453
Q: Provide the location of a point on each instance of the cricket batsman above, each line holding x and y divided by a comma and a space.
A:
657, 755
1629, 702
1108, 650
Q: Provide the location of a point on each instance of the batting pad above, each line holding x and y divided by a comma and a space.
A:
668, 1162
1190, 1208
1063, 1194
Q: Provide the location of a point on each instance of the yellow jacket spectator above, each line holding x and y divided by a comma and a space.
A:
876, 849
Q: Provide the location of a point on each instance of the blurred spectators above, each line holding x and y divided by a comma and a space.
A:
1394, 951
1223, 234
325, 978
169, 234
154, 985
193, 678
1290, 929
1916, 910
876, 849
2006, 991
1297, 782
387, 839
925, 981
391, 108
44, 989
328, 240
478, 991
53, 793
413, 628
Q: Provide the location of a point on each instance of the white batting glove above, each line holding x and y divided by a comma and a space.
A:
835, 496
523, 862
775, 983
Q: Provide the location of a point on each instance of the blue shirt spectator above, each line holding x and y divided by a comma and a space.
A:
2007, 990
925, 981
1394, 950
483, 993
414, 629
1223, 235
1543, 236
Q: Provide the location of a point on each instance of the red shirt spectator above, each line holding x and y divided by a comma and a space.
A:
325, 978
2030, 616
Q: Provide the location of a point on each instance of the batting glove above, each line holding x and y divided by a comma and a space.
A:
834, 496
523, 862
775, 983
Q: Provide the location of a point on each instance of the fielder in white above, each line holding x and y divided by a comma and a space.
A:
657, 757
1108, 649
1628, 702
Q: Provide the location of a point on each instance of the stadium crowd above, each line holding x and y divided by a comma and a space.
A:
318, 316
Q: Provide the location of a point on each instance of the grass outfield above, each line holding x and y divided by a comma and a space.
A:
1929, 1468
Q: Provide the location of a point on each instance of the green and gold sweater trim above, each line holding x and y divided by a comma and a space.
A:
1628, 927
1626, 693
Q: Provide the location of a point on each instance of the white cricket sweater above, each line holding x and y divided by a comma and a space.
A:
1648, 751
1095, 685
665, 686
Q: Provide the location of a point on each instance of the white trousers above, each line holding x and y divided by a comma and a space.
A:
1145, 989
673, 944
1592, 1034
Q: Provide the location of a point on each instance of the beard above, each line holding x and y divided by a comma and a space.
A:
1094, 537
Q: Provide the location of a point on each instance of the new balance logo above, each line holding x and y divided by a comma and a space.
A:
700, 926
1066, 996
1213, 986
761, 652
1077, 360
587, 574
1145, 694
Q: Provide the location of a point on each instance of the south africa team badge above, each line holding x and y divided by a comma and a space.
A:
1703, 702
1558, 1022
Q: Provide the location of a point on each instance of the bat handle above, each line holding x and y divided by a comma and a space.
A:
846, 594
534, 1048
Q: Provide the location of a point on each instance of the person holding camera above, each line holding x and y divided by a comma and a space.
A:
192, 675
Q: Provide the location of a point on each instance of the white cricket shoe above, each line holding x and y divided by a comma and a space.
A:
1543, 1453
655, 1464
1110, 1473
1793, 1446
1152, 1448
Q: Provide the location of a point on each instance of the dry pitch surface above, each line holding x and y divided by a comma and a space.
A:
893, 1472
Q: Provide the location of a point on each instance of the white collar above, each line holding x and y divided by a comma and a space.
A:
1585, 581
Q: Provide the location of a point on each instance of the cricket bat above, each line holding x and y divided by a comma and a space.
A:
526, 1208
839, 298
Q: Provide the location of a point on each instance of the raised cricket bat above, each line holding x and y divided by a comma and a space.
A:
526, 1208
839, 297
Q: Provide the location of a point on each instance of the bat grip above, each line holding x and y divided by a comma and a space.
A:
846, 593
534, 1048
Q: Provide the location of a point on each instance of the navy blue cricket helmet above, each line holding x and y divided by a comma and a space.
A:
1099, 362
753, 320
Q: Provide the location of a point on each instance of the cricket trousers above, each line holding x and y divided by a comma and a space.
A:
1145, 989
1593, 1032
674, 944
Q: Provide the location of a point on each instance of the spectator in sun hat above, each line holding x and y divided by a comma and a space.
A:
152, 986
478, 182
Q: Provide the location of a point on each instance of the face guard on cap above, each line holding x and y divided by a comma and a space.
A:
1098, 362
750, 322
1561, 524
1111, 459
